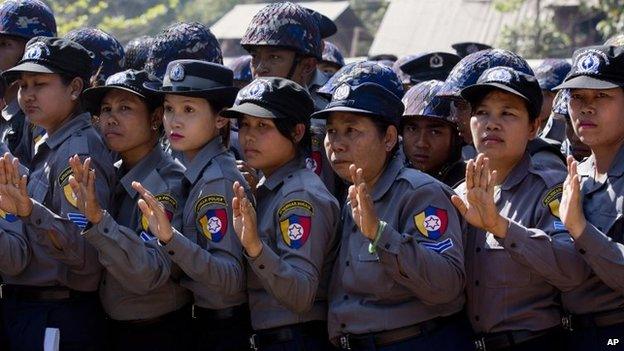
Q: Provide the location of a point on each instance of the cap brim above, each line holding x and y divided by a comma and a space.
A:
324, 114
476, 91
11, 74
587, 82
250, 109
227, 94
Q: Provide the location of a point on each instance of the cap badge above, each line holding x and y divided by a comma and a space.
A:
255, 90
342, 92
436, 61
589, 62
177, 73
35, 51
499, 75
117, 78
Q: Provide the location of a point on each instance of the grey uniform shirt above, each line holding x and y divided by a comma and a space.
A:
297, 222
512, 283
68, 261
207, 249
417, 272
139, 281
602, 243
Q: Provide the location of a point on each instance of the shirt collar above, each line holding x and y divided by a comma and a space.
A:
518, 173
203, 158
587, 167
141, 170
275, 179
80, 122
388, 177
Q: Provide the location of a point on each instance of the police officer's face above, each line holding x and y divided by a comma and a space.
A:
264, 147
126, 123
501, 128
354, 139
598, 116
190, 123
11, 51
46, 100
460, 113
267, 61
427, 143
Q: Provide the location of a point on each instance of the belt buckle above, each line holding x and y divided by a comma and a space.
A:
480, 344
252, 342
566, 322
344, 342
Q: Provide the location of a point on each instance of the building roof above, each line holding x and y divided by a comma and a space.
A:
413, 26
234, 23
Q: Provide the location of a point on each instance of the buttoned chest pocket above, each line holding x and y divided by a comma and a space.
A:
501, 271
38, 186
368, 276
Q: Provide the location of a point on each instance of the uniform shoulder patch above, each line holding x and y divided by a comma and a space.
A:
432, 222
214, 223
170, 204
63, 182
9, 217
294, 204
212, 199
552, 199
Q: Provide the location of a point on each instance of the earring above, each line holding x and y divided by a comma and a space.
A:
154, 127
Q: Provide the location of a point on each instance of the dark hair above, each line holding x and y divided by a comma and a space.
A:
66, 79
382, 126
479, 99
217, 106
286, 127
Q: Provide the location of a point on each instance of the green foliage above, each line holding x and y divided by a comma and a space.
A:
613, 23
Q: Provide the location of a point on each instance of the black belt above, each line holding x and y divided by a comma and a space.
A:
219, 315
266, 337
502, 340
139, 323
43, 293
591, 320
384, 338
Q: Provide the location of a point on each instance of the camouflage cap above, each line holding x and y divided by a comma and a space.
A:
470, 68
331, 54
108, 52
182, 41
27, 19
286, 25
421, 100
363, 72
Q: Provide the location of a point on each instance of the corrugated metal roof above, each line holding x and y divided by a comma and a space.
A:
411, 26
234, 23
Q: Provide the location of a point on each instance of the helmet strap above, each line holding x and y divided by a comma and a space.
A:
293, 66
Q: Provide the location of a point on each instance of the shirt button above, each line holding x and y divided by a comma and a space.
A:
476, 283
342, 325
513, 245
261, 266
476, 318
478, 249
170, 252
106, 230
347, 263
582, 251
38, 222
346, 297
387, 246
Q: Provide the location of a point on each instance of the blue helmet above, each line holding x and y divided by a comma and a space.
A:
286, 25
470, 68
421, 100
241, 67
26, 19
108, 53
552, 72
331, 54
136, 52
560, 104
364, 72
182, 41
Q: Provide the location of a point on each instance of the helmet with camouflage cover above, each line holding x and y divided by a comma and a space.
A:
26, 19
182, 40
286, 25
421, 100
364, 72
136, 52
108, 53
331, 54
470, 68
552, 72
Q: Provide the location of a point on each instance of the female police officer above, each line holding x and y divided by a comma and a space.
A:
398, 282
